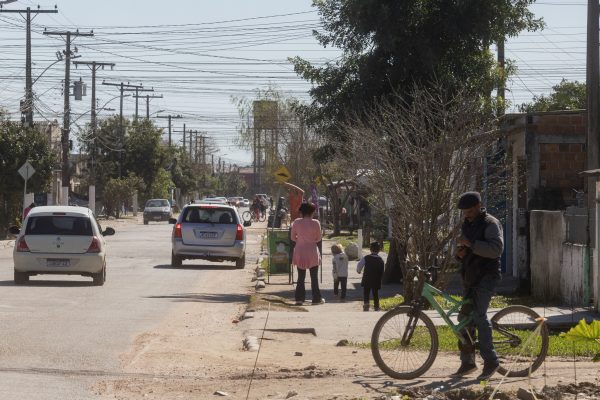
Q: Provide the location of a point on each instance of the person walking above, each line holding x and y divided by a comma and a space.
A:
306, 234
339, 270
27, 210
371, 281
479, 249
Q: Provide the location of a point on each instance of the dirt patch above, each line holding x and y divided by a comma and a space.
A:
263, 301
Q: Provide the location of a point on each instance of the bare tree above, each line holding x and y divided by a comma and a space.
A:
417, 158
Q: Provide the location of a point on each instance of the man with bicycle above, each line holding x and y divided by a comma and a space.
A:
479, 249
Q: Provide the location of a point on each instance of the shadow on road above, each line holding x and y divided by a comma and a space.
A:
197, 266
45, 283
204, 297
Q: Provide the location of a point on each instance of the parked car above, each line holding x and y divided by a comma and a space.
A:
157, 210
62, 240
245, 203
211, 232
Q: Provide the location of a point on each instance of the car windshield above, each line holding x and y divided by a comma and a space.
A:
59, 225
199, 215
157, 203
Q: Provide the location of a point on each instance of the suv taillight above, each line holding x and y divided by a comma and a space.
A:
22, 245
94, 246
177, 231
239, 234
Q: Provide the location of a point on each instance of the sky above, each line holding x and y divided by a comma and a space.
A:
201, 54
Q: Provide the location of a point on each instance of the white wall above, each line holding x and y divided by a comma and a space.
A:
572, 274
547, 235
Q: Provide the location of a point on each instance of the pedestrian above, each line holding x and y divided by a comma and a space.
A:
306, 234
27, 210
479, 249
371, 280
339, 270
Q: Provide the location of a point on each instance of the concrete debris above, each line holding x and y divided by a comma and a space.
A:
248, 314
524, 394
291, 393
221, 393
298, 354
251, 343
260, 285
343, 342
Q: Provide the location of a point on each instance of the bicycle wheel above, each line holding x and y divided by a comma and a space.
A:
404, 347
520, 340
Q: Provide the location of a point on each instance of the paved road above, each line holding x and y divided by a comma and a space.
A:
60, 334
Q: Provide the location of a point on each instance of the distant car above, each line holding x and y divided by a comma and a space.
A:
157, 210
245, 203
211, 232
63, 240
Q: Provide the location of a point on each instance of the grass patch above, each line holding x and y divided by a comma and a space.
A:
386, 246
344, 240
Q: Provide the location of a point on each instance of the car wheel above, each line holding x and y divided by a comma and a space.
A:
21, 278
175, 260
100, 277
145, 222
241, 262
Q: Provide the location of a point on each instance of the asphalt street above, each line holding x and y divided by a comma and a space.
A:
60, 334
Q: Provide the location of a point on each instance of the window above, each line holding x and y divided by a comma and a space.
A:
157, 203
59, 225
213, 215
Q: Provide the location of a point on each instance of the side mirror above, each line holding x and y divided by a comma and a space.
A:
108, 232
172, 221
247, 223
14, 230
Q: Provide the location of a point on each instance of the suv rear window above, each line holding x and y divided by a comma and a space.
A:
157, 203
59, 225
209, 215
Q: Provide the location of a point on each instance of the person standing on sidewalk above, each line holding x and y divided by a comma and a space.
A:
339, 270
371, 280
479, 250
306, 234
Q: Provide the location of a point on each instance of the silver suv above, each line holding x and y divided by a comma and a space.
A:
211, 232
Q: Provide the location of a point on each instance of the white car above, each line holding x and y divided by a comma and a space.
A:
63, 240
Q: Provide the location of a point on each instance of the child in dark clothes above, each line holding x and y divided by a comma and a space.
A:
373, 266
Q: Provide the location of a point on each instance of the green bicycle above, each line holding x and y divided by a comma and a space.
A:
404, 342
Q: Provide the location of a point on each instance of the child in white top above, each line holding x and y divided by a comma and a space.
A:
339, 270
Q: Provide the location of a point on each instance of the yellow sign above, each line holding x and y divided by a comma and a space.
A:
282, 174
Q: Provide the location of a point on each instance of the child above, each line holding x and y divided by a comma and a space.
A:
340, 270
371, 280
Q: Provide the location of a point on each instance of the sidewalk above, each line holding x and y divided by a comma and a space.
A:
337, 320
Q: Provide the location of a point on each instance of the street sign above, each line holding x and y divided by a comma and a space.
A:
282, 174
26, 170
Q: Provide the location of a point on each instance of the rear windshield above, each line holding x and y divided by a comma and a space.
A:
59, 225
212, 215
157, 203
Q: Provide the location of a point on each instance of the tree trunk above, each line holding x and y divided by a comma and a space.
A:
396, 269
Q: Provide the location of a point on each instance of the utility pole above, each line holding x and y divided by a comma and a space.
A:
137, 96
66, 174
501, 90
593, 98
147, 97
122, 87
169, 117
93, 66
27, 106
184, 138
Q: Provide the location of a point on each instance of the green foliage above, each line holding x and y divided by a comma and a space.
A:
119, 191
17, 145
390, 45
159, 189
585, 334
565, 96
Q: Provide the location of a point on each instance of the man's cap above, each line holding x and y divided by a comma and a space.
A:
468, 200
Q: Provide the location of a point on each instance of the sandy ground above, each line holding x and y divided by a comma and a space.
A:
197, 353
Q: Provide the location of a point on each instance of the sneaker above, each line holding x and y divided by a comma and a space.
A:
322, 301
365, 307
488, 371
464, 369
376, 309
299, 303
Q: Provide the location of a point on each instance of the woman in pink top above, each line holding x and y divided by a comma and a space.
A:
306, 233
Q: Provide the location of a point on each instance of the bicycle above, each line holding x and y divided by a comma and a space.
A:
251, 215
404, 342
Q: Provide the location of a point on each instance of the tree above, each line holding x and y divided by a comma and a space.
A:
159, 188
389, 45
119, 191
18, 145
565, 96
417, 157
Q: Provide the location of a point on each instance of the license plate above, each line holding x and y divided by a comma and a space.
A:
157, 217
57, 262
207, 235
